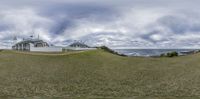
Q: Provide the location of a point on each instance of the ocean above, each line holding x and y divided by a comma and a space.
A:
150, 52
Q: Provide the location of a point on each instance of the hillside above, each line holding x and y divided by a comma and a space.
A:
96, 74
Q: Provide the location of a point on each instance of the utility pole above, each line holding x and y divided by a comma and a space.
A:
38, 36
14, 42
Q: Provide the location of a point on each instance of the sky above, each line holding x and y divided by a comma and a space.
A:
114, 23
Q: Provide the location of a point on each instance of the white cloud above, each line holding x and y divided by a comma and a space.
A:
123, 23
23, 23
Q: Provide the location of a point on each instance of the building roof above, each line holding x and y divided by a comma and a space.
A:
79, 44
30, 41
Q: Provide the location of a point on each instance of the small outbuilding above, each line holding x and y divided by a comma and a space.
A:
78, 46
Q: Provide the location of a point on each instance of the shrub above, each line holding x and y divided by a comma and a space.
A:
105, 48
172, 54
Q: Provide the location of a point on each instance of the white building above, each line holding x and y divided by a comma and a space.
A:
79, 46
35, 45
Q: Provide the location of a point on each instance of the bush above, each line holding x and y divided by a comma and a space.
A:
108, 49
170, 54
105, 48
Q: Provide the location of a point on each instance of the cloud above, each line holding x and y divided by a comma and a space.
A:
22, 23
122, 23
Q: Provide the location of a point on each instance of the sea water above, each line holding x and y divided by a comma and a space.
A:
150, 52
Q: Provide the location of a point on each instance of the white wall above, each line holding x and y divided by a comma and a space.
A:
46, 49
79, 49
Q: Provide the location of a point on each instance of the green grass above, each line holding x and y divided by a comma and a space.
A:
98, 74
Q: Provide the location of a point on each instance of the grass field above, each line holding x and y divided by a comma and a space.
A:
97, 74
